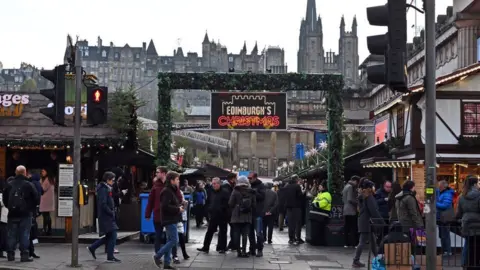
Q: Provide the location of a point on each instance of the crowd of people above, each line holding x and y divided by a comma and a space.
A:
395, 208
246, 205
24, 197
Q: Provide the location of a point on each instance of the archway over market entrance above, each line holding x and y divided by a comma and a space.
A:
238, 83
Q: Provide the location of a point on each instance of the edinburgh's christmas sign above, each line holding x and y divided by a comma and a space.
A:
252, 111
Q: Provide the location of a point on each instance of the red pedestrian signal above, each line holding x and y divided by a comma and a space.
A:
97, 105
97, 96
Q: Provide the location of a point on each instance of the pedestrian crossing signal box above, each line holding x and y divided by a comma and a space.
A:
82, 194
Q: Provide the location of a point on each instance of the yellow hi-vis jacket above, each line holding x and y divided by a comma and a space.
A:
323, 202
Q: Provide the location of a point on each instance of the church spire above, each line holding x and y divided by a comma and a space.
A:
354, 25
311, 17
205, 39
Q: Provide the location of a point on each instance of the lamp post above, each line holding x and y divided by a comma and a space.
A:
285, 166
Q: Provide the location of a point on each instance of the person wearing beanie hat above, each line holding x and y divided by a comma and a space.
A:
243, 203
368, 212
243, 181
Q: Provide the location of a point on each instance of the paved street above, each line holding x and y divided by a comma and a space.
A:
136, 255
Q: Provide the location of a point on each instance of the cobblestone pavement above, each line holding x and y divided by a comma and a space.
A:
137, 255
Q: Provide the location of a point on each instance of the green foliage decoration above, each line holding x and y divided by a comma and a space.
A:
335, 139
354, 142
331, 83
123, 115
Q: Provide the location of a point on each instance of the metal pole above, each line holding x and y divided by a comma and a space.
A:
76, 156
430, 135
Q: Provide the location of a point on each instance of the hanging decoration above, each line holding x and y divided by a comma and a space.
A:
331, 83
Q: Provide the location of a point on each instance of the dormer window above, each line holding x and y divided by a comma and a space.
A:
86, 53
117, 55
104, 53
137, 56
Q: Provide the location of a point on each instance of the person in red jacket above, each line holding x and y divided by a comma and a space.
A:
154, 205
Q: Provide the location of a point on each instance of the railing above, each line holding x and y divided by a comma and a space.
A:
398, 246
204, 138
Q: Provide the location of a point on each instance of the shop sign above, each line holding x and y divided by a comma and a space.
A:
11, 105
248, 111
70, 110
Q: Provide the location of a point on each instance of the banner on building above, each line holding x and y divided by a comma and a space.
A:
299, 151
248, 111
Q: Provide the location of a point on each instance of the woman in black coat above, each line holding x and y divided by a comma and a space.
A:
368, 212
106, 218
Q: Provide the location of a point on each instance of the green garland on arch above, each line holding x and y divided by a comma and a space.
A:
332, 83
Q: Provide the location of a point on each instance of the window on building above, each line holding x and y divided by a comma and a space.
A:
471, 118
230, 59
86, 53
165, 62
401, 122
117, 55
263, 166
312, 63
199, 63
154, 62
104, 53
137, 56
244, 162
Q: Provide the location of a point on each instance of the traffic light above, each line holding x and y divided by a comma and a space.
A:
97, 105
393, 45
55, 94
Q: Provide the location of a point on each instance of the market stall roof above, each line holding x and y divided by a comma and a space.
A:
34, 126
379, 151
206, 170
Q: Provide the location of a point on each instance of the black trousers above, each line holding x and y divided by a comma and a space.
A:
231, 243
221, 224
181, 243
350, 230
199, 214
3, 237
294, 216
241, 231
268, 222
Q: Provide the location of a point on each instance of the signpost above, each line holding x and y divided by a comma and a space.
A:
65, 190
248, 111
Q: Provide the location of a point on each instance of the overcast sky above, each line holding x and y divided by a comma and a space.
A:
34, 31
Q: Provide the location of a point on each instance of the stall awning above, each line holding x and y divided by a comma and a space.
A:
390, 163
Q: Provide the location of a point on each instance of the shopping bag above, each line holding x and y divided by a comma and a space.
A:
419, 236
378, 263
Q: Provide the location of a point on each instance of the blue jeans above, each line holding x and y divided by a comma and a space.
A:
18, 231
158, 236
172, 240
256, 228
444, 234
109, 240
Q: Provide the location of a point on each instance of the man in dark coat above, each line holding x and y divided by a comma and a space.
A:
293, 205
21, 199
229, 186
281, 206
217, 209
381, 196
271, 203
106, 218
257, 222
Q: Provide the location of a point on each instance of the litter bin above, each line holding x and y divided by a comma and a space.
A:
147, 230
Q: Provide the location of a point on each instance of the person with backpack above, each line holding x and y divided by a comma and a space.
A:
218, 211
21, 198
243, 204
256, 228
